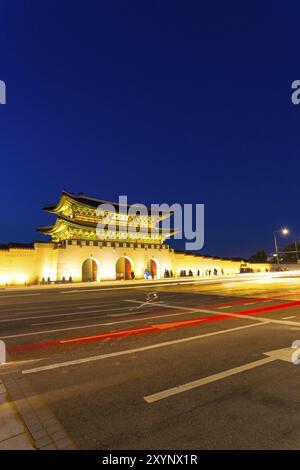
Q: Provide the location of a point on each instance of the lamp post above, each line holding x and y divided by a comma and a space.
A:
297, 257
283, 231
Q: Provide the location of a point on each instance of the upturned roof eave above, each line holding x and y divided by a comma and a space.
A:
90, 202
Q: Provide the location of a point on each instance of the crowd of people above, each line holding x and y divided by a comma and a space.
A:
207, 272
184, 273
149, 274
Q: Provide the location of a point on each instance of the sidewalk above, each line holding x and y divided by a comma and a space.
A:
27, 423
153, 282
118, 284
13, 434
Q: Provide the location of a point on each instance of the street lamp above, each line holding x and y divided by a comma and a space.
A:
283, 231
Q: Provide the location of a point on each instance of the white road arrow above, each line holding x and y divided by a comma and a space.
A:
281, 354
286, 354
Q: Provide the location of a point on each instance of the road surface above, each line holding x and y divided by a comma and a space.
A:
190, 369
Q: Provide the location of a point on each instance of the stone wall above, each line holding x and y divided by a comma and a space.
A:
19, 266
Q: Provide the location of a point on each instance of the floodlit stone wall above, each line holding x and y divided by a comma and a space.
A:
20, 266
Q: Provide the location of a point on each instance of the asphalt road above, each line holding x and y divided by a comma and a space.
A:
187, 370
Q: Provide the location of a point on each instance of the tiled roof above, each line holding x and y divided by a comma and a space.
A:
94, 202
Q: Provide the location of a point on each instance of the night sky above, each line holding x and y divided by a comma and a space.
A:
164, 101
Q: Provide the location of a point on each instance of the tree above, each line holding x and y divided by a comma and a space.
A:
289, 253
259, 257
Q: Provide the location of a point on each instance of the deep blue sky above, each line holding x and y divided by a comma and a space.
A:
165, 101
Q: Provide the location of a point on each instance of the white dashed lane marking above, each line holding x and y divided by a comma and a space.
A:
15, 296
95, 317
96, 305
69, 314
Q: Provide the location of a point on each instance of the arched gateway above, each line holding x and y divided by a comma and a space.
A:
152, 267
101, 239
89, 270
123, 268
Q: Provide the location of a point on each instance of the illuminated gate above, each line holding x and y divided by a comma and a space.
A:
153, 268
89, 270
123, 268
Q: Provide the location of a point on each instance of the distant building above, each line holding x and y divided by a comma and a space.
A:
81, 251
